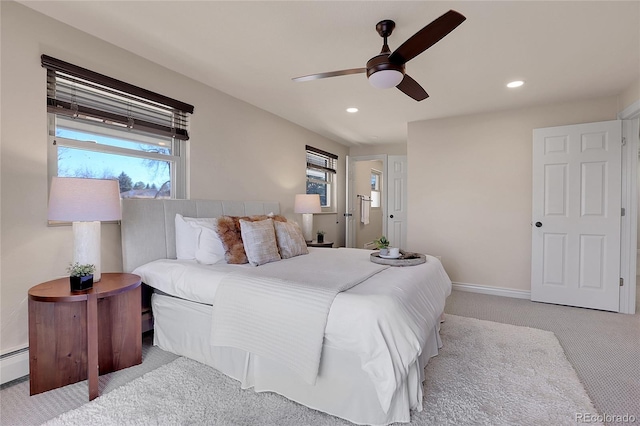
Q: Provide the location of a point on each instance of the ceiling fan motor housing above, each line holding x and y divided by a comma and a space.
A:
385, 27
392, 73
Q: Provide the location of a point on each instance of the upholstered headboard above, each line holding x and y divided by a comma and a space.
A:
148, 226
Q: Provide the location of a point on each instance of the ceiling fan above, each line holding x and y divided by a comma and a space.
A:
386, 70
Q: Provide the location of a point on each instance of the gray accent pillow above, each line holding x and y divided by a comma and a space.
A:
259, 239
290, 239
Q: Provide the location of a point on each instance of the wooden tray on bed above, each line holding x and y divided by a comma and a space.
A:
406, 259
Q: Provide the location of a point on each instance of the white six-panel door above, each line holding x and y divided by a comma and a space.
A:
576, 215
397, 200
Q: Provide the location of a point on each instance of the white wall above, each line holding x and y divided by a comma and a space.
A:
237, 151
470, 189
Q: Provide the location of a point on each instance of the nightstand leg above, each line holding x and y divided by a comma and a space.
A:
92, 345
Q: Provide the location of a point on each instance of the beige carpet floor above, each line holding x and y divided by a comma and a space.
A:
603, 347
486, 373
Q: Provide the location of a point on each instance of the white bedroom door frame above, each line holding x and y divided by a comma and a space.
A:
577, 201
630, 117
351, 205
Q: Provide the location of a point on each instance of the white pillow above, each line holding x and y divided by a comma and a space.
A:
209, 248
187, 237
259, 239
290, 240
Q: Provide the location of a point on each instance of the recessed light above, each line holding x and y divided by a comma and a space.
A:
352, 110
515, 84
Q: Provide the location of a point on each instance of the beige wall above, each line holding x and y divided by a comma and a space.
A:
630, 95
237, 152
379, 149
469, 189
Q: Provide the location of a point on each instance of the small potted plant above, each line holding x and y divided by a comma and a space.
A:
81, 276
383, 245
320, 236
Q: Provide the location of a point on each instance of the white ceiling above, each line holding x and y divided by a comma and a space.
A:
565, 51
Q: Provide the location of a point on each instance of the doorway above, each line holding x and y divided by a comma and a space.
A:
392, 188
368, 185
629, 220
366, 200
577, 197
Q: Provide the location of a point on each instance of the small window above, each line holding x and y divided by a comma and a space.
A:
376, 178
321, 171
146, 167
100, 127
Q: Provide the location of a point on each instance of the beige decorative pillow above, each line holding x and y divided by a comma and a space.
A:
229, 232
290, 239
259, 239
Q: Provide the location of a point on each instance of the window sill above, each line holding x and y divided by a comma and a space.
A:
62, 223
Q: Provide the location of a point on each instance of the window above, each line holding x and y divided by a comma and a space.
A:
321, 171
100, 127
376, 178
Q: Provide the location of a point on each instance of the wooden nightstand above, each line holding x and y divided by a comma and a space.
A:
81, 335
314, 243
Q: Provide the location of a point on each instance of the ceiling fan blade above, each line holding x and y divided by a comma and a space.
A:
411, 88
426, 37
330, 74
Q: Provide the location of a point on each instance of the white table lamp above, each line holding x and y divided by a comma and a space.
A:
85, 202
307, 204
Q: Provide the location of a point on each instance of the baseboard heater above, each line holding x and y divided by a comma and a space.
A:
14, 364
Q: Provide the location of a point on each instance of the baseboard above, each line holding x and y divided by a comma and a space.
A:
14, 365
494, 291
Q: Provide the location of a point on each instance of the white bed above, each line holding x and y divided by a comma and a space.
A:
379, 334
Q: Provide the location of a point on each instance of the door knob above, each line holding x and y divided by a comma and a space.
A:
538, 224
391, 216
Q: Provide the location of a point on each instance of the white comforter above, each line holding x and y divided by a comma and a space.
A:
280, 310
385, 319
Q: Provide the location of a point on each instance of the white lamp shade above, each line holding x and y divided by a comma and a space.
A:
84, 200
385, 79
307, 203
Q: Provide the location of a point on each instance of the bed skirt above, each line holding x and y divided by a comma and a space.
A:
342, 388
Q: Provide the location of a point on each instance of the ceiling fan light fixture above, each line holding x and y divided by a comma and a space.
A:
385, 79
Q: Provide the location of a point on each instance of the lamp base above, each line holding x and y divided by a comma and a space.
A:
307, 226
86, 245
